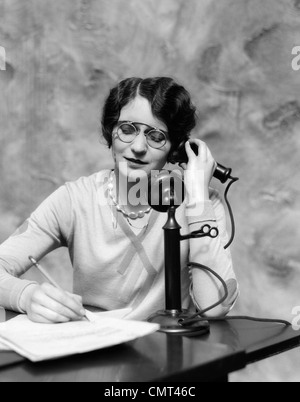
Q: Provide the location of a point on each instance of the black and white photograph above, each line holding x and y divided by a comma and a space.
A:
149, 193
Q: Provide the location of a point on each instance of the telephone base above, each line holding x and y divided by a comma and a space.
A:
169, 321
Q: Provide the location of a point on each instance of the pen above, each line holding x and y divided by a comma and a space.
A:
47, 276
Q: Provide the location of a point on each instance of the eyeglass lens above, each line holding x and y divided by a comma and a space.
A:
127, 132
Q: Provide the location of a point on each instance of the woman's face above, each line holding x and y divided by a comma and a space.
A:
139, 155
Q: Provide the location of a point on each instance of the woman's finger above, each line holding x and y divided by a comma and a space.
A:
42, 314
215, 166
189, 151
203, 152
63, 298
38, 318
77, 298
202, 149
57, 307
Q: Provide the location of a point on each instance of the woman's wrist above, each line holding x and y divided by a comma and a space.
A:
197, 188
197, 212
198, 197
26, 296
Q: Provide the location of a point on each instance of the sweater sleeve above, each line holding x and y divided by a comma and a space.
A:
206, 289
46, 229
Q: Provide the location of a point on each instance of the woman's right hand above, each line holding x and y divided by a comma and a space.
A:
47, 304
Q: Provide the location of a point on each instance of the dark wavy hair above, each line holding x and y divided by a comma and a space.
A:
170, 103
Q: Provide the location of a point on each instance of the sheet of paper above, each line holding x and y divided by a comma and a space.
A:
4, 348
121, 313
39, 342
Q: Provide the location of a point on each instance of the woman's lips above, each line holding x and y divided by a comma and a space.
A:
136, 161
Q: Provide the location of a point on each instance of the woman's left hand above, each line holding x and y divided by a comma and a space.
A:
198, 171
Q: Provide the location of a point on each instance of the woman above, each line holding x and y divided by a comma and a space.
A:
115, 241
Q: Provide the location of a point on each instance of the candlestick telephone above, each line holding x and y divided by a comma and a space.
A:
175, 320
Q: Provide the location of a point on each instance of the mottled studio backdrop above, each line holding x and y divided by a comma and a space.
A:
234, 56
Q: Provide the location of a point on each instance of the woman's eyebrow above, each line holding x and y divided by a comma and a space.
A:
150, 127
143, 124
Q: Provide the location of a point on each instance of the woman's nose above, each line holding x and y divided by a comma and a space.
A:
139, 145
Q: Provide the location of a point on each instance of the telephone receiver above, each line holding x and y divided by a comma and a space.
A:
167, 188
221, 173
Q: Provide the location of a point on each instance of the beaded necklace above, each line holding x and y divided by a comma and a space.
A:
130, 215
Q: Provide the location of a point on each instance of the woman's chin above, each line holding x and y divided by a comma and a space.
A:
136, 171
132, 173
138, 174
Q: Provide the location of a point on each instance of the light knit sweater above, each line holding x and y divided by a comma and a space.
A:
113, 266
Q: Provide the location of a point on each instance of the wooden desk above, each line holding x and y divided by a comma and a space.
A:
258, 340
229, 347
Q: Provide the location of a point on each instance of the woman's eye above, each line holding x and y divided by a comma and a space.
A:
156, 136
127, 129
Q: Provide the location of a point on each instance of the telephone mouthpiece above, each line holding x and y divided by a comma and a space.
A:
165, 190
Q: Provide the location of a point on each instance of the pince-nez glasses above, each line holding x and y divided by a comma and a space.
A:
127, 131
